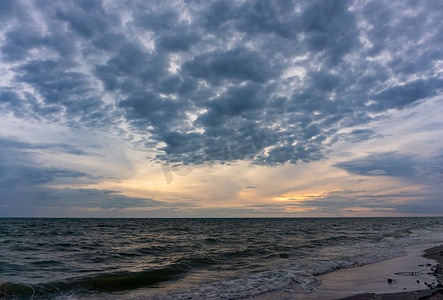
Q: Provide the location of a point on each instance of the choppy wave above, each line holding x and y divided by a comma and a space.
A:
192, 258
101, 283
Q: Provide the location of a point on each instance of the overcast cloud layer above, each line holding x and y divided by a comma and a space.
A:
196, 82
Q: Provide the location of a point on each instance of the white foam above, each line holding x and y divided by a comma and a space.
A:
407, 273
246, 286
298, 275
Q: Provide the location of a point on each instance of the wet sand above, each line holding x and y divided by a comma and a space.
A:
415, 276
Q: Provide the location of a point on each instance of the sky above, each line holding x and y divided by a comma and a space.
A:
221, 108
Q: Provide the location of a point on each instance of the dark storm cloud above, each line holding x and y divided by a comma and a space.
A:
11, 102
256, 17
85, 18
236, 101
58, 87
398, 96
177, 41
234, 65
330, 29
131, 67
193, 77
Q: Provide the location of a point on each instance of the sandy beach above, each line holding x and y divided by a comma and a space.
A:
415, 276
435, 288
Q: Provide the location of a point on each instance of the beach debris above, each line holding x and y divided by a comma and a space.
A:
389, 280
429, 285
418, 281
407, 273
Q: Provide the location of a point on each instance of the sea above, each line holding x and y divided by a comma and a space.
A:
193, 258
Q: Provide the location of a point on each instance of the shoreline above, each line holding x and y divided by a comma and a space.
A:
417, 275
434, 292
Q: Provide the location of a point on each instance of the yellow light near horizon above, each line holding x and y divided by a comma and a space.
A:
300, 209
302, 197
364, 209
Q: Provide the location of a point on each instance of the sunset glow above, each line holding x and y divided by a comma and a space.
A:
221, 108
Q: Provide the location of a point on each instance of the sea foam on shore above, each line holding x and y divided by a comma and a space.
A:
413, 276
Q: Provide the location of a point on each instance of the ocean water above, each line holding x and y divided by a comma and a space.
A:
192, 258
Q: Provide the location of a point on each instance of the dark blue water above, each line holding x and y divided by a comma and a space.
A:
191, 258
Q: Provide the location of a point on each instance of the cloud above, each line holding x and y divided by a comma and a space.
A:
360, 135
186, 77
29, 175
180, 40
62, 202
412, 168
398, 96
26, 184
59, 147
381, 164
90, 198
18, 166
233, 65
361, 202
330, 28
